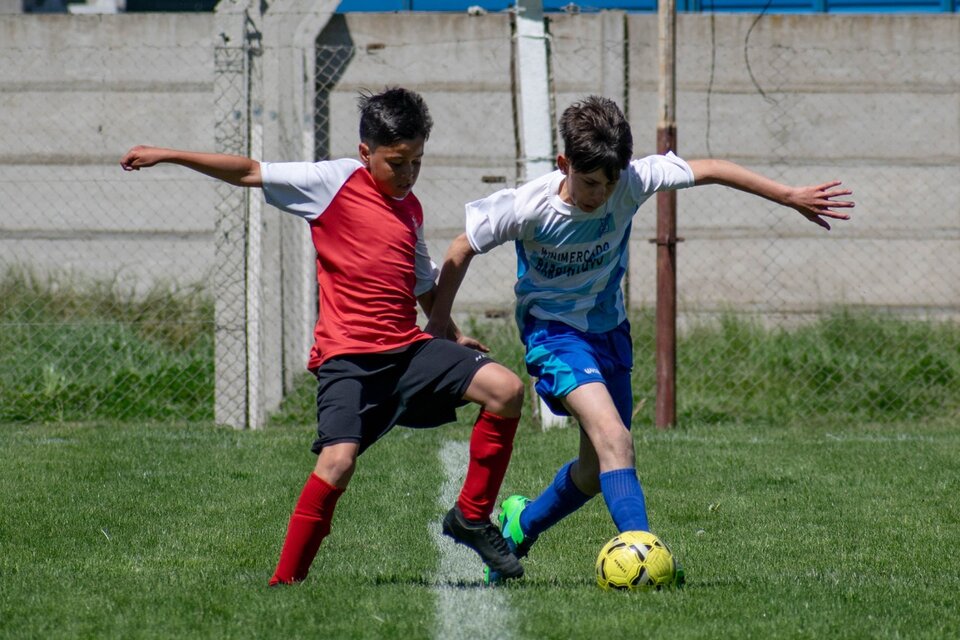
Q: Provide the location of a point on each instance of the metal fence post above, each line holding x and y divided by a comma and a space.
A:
536, 128
236, 33
666, 410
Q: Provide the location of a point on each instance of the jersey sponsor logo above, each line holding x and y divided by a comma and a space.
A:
605, 225
553, 264
590, 370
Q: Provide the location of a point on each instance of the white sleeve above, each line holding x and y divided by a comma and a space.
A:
492, 221
658, 173
305, 189
425, 268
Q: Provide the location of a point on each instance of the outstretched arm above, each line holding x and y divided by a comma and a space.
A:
814, 202
452, 272
235, 170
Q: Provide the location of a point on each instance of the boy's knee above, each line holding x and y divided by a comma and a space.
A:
616, 449
513, 393
504, 391
336, 464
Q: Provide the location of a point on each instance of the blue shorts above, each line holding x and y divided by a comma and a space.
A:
563, 358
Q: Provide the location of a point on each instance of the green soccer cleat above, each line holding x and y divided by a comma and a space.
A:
509, 519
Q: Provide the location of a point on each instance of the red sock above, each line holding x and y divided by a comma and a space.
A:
491, 444
309, 525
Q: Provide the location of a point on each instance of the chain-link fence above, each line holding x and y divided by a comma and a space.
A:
777, 317
860, 321
233, 66
104, 306
120, 292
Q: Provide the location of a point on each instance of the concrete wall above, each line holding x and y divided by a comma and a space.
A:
75, 93
871, 100
463, 70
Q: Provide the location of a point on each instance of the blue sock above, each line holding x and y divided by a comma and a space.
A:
556, 502
624, 497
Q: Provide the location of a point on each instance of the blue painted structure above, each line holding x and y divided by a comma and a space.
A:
650, 6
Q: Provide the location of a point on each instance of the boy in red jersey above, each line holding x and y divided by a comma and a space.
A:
374, 366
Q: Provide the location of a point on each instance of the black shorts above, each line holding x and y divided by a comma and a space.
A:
360, 397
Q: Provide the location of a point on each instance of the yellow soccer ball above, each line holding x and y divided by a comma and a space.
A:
637, 560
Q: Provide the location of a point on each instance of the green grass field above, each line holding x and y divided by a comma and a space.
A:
72, 351
810, 491
791, 531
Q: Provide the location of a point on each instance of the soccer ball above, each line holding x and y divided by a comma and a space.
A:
637, 560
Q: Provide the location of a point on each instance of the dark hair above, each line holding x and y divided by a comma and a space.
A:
394, 114
596, 135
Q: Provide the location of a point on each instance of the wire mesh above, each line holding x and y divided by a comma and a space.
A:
105, 312
119, 292
231, 102
794, 99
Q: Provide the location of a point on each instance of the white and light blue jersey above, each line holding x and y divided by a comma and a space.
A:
570, 263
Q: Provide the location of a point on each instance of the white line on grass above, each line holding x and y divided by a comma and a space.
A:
465, 608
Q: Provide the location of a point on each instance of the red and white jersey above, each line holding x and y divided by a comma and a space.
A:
372, 261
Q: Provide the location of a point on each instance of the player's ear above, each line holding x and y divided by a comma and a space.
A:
563, 164
364, 151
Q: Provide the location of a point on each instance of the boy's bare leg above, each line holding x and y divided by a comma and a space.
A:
615, 471
313, 514
497, 389
337, 462
609, 443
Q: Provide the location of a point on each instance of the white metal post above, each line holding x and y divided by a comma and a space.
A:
536, 126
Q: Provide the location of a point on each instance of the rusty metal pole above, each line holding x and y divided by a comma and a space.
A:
666, 240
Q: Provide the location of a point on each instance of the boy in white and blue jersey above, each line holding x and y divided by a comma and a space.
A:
571, 261
571, 229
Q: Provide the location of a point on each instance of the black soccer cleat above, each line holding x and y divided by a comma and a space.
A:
484, 538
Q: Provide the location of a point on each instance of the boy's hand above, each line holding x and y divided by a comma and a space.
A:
817, 202
476, 345
448, 331
139, 157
